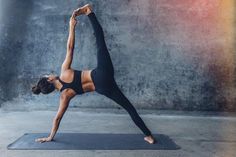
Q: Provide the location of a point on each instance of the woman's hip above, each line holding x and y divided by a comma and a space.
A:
103, 80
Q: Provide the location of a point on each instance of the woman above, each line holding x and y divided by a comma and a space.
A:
101, 79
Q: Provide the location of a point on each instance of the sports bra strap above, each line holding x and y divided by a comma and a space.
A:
75, 84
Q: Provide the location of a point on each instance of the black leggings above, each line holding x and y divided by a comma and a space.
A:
103, 77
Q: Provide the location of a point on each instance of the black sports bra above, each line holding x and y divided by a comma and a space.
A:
75, 84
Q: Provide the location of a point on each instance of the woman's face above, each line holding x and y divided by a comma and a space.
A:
50, 77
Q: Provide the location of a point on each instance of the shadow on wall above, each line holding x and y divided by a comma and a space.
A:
13, 29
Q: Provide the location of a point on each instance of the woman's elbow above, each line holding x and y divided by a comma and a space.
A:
57, 119
70, 48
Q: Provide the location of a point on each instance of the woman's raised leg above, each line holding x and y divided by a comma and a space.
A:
103, 57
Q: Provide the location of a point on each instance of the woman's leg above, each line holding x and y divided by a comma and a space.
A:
103, 57
116, 95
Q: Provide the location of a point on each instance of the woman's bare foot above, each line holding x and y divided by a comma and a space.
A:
149, 139
86, 9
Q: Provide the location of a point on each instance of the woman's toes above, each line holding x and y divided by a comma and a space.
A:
86, 9
77, 12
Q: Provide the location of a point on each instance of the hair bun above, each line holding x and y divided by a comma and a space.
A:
35, 89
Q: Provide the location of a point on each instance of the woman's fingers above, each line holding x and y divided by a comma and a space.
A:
73, 21
45, 139
41, 140
74, 14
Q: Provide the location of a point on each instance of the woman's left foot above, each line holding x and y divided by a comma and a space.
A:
149, 139
86, 9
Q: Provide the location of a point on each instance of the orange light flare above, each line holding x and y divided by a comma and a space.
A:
225, 61
212, 39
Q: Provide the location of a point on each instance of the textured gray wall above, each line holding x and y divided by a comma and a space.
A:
166, 54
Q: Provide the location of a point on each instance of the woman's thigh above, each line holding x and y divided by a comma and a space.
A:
103, 81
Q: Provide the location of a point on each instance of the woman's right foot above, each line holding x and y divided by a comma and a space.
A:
150, 139
86, 9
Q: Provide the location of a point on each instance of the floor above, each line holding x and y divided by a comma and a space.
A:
199, 134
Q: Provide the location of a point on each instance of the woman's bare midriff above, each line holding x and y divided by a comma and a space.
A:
86, 81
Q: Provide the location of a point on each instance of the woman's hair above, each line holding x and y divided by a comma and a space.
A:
43, 86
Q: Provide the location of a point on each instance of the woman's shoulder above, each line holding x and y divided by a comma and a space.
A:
66, 75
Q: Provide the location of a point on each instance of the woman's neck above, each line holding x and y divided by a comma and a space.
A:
57, 83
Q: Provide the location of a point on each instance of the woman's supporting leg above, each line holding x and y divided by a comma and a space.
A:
103, 57
116, 95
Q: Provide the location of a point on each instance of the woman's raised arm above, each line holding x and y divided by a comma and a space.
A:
70, 44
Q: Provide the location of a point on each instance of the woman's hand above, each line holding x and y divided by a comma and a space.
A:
45, 139
73, 20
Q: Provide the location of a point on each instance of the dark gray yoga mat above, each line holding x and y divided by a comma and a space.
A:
92, 141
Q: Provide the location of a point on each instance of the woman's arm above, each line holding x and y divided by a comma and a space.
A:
70, 44
64, 103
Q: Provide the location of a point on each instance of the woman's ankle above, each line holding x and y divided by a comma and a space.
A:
87, 13
88, 10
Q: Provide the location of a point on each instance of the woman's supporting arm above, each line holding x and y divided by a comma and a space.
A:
64, 103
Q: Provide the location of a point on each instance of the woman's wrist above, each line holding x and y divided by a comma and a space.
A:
72, 27
50, 138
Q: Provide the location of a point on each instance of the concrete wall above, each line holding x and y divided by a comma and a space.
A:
176, 54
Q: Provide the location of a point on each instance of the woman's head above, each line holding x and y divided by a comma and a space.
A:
45, 85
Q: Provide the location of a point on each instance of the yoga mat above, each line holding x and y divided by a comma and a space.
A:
92, 141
